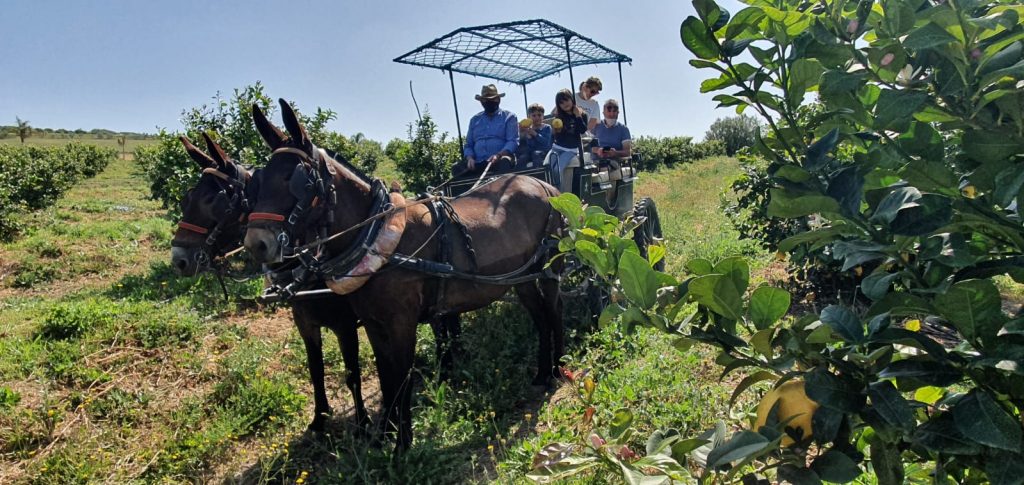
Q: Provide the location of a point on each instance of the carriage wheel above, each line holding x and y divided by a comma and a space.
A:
650, 230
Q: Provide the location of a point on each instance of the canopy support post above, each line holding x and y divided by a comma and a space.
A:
572, 81
526, 102
458, 123
622, 94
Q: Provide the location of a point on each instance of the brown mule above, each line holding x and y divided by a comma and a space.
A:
508, 221
212, 224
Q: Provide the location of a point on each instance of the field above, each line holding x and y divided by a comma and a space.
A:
115, 371
130, 144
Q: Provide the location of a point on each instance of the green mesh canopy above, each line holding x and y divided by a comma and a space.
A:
516, 52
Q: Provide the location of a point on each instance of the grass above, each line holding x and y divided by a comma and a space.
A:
130, 144
116, 371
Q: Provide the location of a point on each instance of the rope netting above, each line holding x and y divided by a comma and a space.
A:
515, 52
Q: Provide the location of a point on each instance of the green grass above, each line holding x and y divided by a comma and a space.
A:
114, 370
130, 145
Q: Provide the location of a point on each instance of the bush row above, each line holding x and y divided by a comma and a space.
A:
668, 151
32, 178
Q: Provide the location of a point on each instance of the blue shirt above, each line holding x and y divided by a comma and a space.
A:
611, 137
489, 135
539, 143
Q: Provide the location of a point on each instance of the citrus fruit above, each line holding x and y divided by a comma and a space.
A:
793, 402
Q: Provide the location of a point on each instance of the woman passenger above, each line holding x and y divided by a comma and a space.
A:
565, 150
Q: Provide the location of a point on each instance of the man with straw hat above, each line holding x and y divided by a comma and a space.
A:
493, 134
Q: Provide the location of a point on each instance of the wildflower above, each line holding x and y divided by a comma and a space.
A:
625, 453
887, 59
588, 415
596, 440
528, 417
490, 449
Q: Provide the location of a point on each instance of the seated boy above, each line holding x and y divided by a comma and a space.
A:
534, 137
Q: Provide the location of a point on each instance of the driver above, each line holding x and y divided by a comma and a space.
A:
613, 140
493, 135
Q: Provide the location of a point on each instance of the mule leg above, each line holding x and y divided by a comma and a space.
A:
531, 298
348, 340
309, 330
447, 330
394, 349
553, 309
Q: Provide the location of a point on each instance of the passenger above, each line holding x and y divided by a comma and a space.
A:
613, 140
534, 137
492, 136
565, 150
585, 100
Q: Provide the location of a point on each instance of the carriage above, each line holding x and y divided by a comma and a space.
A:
523, 52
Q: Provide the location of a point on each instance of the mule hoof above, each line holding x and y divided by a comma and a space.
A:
319, 421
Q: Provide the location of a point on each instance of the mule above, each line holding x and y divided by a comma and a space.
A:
213, 223
507, 221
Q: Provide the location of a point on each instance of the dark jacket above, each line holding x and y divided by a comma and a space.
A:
572, 128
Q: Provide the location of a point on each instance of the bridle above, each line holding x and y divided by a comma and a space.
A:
312, 184
231, 204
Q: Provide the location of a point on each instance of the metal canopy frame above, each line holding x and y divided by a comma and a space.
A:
515, 52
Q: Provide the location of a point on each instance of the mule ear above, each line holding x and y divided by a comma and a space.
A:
201, 158
270, 133
291, 122
216, 152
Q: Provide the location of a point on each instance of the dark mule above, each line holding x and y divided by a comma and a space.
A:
213, 223
508, 221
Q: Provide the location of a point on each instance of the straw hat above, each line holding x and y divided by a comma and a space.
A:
489, 91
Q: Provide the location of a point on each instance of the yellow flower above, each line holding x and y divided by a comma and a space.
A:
913, 325
528, 417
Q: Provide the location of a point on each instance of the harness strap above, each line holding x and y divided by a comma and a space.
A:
266, 216
192, 227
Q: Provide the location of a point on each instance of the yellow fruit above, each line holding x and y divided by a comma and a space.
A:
556, 124
525, 123
969, 191
793, 402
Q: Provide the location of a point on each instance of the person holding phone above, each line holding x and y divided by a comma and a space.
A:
613, 138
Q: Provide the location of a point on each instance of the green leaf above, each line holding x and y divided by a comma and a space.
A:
981, 420
834, 466
900, 304
1004, 468
788, 205
718, 293
928, 37
594, 256
655, 253
895, 109
569, 206
740, 446
747, 20
749, 381
1008, 185
1013, 327
927, 371
990, 146
798, 476
697, 39
832, 392
682, 447
1015, 71
792, 173
899, 198
972, 306
844, 322
761, 341
768, 305
922, 140
940, 434
876, 285
699, 266
931, 177
929, 394
837, 82
890, 405
803, 75
817, 153
639, 281
622, 419
928, 213
737, 269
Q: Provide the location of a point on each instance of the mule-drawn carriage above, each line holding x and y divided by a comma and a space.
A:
345, 250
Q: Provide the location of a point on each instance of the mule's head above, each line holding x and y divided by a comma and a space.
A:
211, 212
294, 188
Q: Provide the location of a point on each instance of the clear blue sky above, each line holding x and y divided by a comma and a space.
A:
134, 65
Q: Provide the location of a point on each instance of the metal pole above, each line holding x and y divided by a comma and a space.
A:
572, 80
526, 103
458, 123
622, 94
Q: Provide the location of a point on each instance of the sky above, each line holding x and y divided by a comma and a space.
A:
135, 65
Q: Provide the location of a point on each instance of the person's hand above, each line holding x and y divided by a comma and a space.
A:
492, 159
470, 164
579, 111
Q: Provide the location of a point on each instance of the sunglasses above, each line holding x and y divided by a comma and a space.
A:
611, 108
594, 92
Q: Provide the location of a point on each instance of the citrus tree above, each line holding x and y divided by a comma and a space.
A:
913, 176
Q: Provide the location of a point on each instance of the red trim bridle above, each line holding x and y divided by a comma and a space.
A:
192, 227
265, 216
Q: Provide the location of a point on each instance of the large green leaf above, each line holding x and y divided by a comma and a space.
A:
890, 405
927, 371
900, 304
749, 381
803, 75
832, 392
931, 177
569, 206
928, 213
1008, 185
699, 266
798, 476
922, 140
972, 306
1015, 71
817, 153
737, 269
697, 39
940, 434
899, 198
1004, 468
928, 37
834, 466
622, 419
718, 293
767, 305
639, 281
594, 256
895, 109
991, 146
982, 420
747, 21
843, 322
876, 285
740, 446
788, 205
846, 186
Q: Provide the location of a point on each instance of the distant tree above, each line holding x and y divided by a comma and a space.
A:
121, 140
736, 132
24, 129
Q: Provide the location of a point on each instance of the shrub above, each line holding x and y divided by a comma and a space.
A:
666, 152
735, 131
72, 320
427, 158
